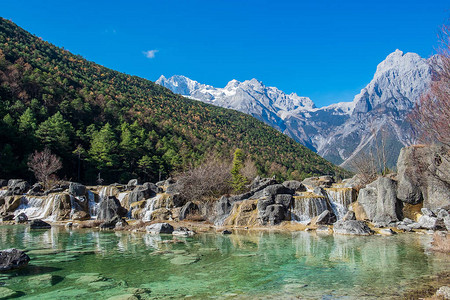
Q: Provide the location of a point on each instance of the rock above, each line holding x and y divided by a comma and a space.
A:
244, 213
444, 292
352, 227
442, 213
284, 199
322, 181
39, 224
145, 191
183, 231
17, 187
323, 229
386, 231
120, 224
161, 214
294, 185
6, 293
159, 228
379, 201
432, 223
8, 217
11, 203
132, 183
354, 182
323, 218
41, 281
62, 206
259, 184
271, 191
350, 215
77, 189
187, 209
81, 216
273, 214
447, 222
3, 182
423, 175
226, 232
69, 225
184, 259
407, 221
36, 190
110, 208
21, 218
404, 227
13, 259
427, 212
111, 223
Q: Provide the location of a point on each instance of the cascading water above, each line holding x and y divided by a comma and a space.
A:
93, 206
306, 206
150, 208
37, 207
340, 199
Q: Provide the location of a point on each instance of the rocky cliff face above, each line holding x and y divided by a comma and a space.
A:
339, 132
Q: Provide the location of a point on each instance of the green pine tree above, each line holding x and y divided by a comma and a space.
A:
238, 181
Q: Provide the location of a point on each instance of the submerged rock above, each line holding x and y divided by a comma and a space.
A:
183, 231
13, 259
352, 227
159, 228
6, 293
39, 224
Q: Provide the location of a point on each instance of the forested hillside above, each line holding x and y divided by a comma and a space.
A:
102, 121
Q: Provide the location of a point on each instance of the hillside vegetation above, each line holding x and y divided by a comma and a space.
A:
102, 121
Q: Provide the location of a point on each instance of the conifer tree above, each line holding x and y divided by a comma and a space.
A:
238, 180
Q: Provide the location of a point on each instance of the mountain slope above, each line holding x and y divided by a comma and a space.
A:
339, 132
116, 126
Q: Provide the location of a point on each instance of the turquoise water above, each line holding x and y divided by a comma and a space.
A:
87, 264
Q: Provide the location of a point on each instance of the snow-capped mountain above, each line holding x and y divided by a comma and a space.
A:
338, 132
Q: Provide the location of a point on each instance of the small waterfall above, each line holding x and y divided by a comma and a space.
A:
150, 208
340, 199
93, 206
37, 207
307, 206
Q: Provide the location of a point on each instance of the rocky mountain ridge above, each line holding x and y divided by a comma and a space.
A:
339, 132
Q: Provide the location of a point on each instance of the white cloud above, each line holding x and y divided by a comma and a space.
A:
150, 53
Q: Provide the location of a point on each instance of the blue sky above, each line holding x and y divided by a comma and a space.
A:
325, 49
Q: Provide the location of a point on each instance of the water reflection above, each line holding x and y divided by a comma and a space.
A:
256, 263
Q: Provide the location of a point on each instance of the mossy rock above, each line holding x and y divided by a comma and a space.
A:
6, 293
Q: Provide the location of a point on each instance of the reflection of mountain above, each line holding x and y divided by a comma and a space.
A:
337, 132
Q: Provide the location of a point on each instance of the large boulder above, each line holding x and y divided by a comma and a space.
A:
273, 214
142, 192
423, 176
379, 201
36, 190
351, 227
11, 203
12, 259
77, 189
110, 208
159, 228
62, 207
294, 185
322, 181
21, 218
17, 187
39, 224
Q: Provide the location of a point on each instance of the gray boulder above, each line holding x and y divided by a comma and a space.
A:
159, 228
132, 183
432, 223
350, 215
3, 182
17, 187
379, 201
77, 189
284, 199
21, 218
352, 227
13, 259
273, 214
110, 208
423, 176
36, 190
183, 231
294, 185
39, 224
142, 192
324, 218
322, 181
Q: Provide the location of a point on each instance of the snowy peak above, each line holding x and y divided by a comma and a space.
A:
400, 76
248, 94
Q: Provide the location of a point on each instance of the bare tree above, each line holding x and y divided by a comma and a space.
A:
210, 179
430, 117
249, 170
43, 164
